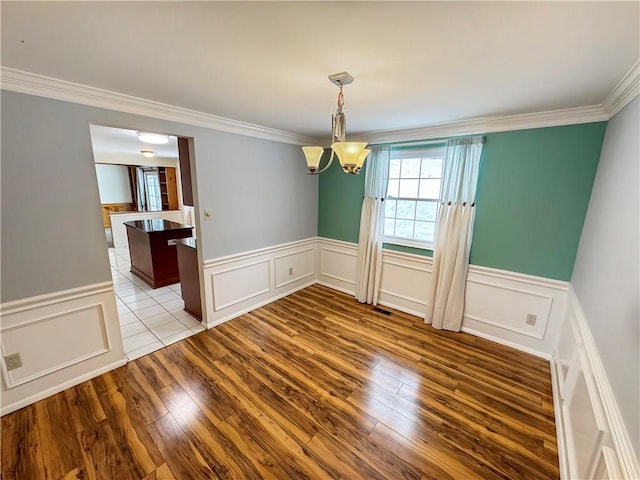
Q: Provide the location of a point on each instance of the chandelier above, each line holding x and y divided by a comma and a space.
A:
351, 155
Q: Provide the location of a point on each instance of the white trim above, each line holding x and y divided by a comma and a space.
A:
258, 305
617, 429
626, 90
8, 377
214, 262
217, 307
520, 277
405, 297
33, 84
59, 388
507, 343
400, 308
404, 265
503, 326
556, 391
341, 252
482, 125
284, 284
29, 303
336, 287
337, 243
408, 256
341, 279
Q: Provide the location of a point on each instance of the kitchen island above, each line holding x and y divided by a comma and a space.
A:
153, 250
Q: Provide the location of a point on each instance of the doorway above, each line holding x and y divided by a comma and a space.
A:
140, 181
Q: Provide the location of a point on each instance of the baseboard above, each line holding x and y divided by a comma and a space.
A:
507, 343
497, 302
239, 313
563, 457
61, 387
63, 338
236, 284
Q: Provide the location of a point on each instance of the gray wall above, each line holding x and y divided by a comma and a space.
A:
606, 273
51, 224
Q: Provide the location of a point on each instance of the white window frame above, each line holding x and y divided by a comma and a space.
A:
150, 195
408, 242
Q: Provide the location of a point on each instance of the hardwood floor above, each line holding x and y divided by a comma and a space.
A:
312, 386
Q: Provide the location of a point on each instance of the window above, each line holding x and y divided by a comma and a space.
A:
152, 190
413, 194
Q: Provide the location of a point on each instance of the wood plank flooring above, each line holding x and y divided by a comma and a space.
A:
313, 386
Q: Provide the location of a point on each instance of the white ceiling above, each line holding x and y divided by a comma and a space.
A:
415, 63
122, 141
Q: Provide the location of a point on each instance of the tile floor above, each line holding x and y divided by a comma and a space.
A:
149, 318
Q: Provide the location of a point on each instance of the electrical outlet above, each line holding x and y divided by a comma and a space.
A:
208, 214
290, 271
13, 361
531, 319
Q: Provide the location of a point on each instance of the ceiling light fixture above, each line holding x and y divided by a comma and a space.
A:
154, 138
351, 155
148, 153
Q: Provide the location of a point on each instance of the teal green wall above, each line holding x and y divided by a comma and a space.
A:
340, 202
532, 198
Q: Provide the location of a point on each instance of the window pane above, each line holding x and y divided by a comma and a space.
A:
430, 189
408, 188
426, 211
394, 168
390, 208
154, 202
392, 190
431, 168
389, 225
424, 231
406, 209
410, 168
404, 228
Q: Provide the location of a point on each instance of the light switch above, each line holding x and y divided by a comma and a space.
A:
208, 215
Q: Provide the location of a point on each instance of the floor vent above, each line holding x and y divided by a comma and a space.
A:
381, 310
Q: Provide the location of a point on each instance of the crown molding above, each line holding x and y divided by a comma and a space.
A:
42, 86
475, 126
30, 83
626, 90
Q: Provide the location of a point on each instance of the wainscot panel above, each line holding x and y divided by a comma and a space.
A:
497, 303
63, 339
592, 439
237, 284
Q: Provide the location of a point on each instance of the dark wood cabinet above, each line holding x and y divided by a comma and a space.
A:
168, 188
153, 251
189, 276
185, 171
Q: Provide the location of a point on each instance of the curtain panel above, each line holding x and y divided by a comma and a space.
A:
369, 264
454, 230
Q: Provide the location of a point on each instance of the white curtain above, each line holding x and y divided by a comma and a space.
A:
369, 264
454, 229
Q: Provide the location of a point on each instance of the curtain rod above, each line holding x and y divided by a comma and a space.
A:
413, 142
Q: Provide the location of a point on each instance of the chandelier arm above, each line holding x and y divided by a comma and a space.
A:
318, 172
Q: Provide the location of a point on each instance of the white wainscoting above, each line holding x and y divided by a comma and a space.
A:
119, 231
63, 339
496, 305
593, 442
236, 284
